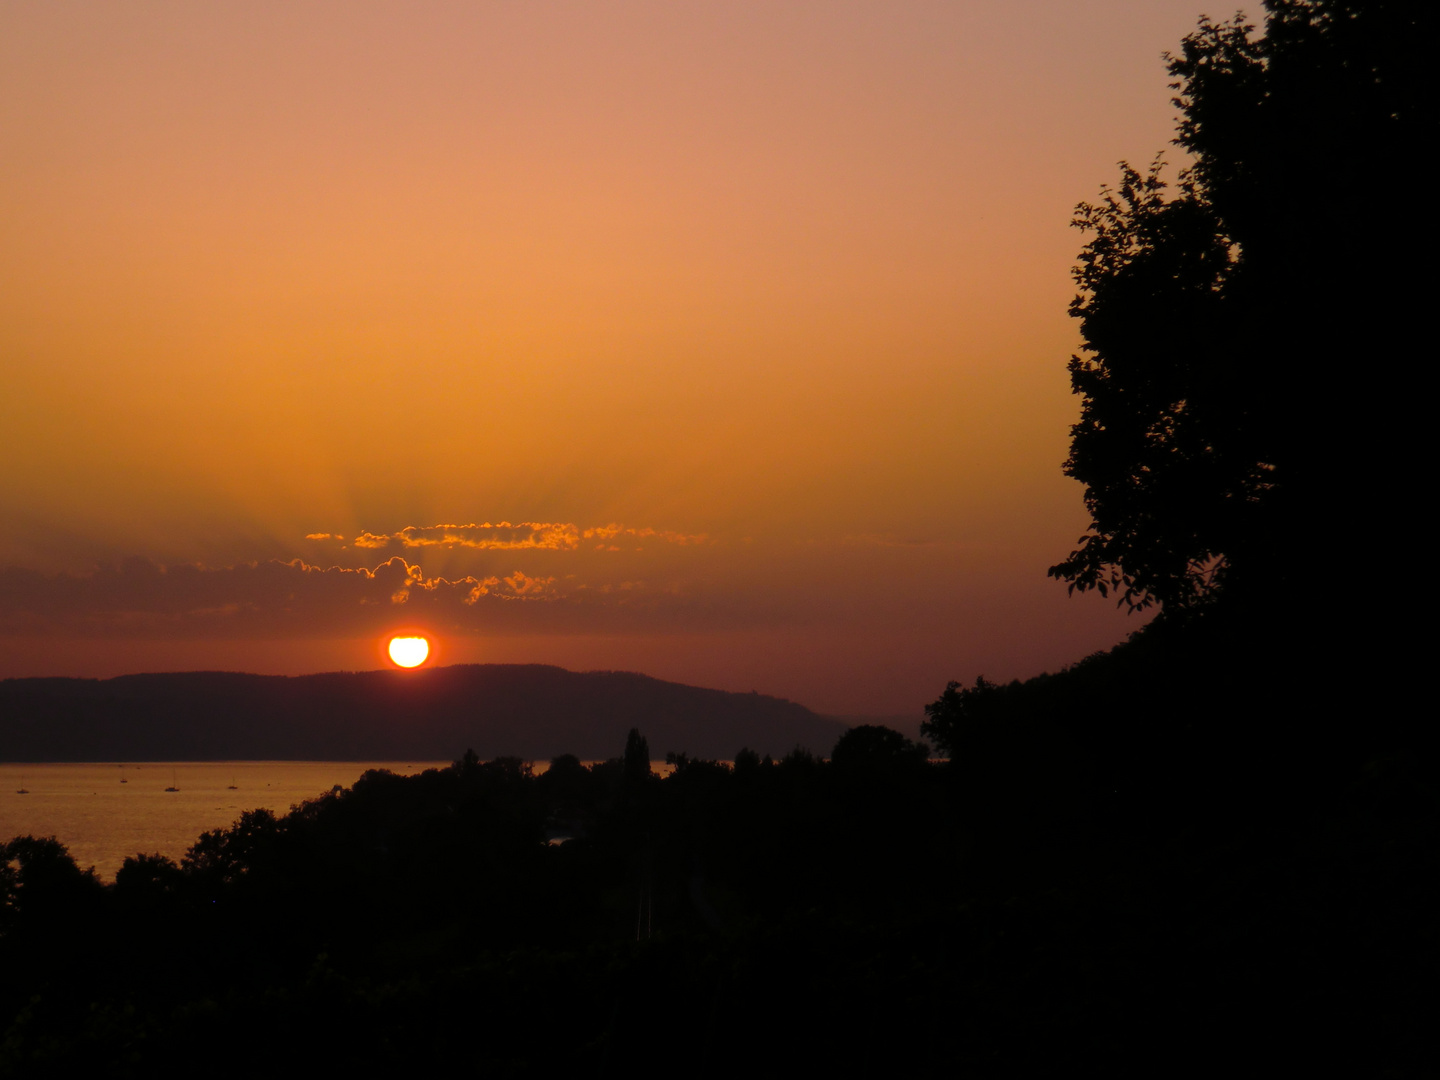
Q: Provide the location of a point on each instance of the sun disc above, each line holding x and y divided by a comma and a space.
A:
409, 652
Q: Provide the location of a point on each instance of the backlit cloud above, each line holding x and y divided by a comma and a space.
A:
524, 536
279, 598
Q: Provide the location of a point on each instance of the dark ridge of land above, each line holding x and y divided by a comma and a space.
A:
876, 913
532, 711
1142, 861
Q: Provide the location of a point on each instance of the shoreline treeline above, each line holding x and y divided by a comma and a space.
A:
875, 909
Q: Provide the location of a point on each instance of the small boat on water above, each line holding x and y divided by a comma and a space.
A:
172, 786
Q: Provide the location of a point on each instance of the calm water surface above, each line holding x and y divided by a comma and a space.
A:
103, 821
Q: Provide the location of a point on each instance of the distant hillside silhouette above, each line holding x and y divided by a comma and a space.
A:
531, 711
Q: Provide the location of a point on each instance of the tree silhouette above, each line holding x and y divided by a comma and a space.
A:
951, 718
872, 746
38, 878
1240, 432
637, 756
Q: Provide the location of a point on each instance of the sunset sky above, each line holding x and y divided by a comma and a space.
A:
721, 341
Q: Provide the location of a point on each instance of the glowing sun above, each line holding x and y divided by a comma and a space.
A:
409, 651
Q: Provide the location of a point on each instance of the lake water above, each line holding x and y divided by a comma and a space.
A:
104, 821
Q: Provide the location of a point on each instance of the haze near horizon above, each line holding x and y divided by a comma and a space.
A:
724, 342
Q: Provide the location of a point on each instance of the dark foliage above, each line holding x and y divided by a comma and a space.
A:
875, 912
870, 747
1250, 331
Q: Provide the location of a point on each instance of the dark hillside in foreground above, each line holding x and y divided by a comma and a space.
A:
531, 711
866, 915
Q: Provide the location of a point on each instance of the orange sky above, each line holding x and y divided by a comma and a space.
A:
769, 298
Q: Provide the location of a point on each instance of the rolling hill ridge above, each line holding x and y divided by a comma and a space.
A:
532, 711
